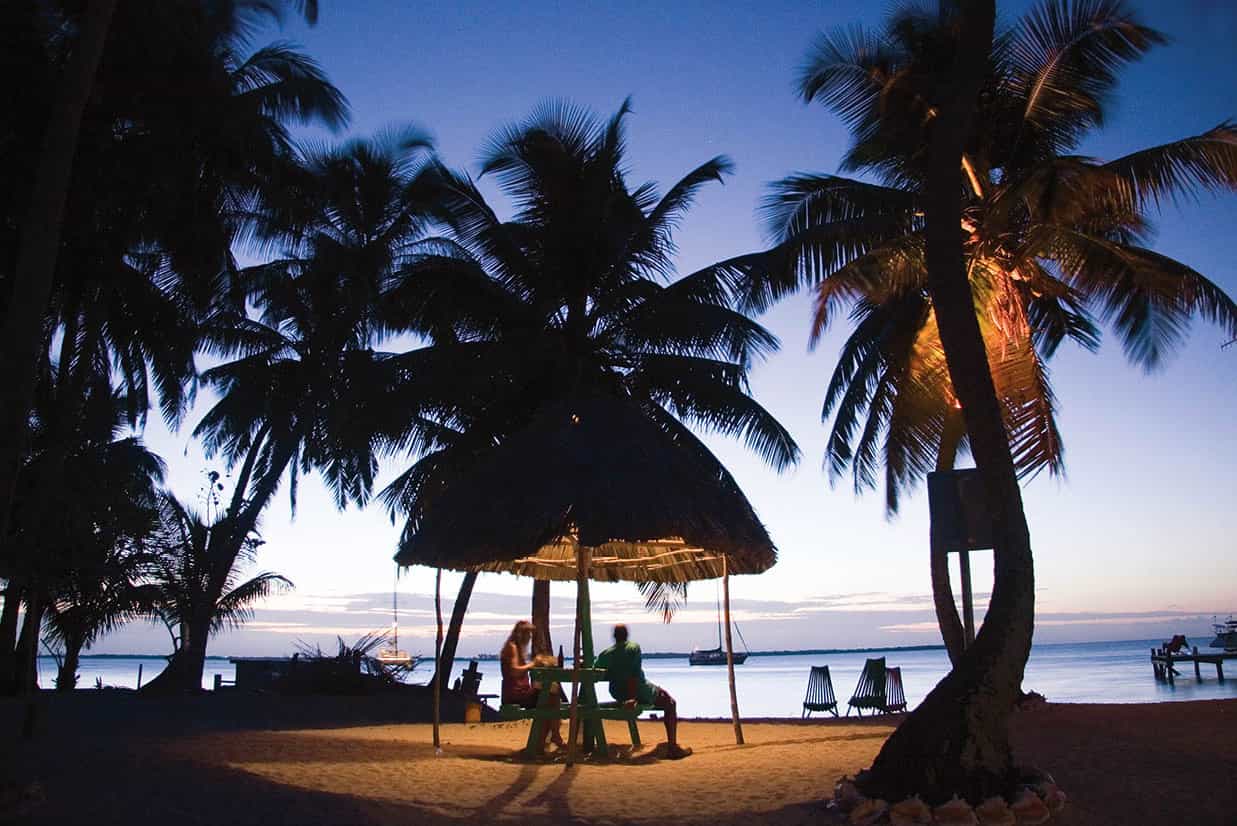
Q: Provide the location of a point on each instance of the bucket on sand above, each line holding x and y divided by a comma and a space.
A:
472, 711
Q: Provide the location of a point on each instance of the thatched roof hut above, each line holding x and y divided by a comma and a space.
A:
597, 472
593, 488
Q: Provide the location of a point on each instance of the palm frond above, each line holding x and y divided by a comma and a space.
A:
711, 394
285, 84
235, 608
1148, 298
1203, 162
665, 598
678, 199
846, 70
1065, 57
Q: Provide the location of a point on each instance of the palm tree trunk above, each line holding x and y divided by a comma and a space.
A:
28, 644
957, 740
183, 673
66, 678
947, 617
38, 245
452, 640
542, 644
8, 638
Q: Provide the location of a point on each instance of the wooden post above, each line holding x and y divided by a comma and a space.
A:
1198, 674
139, 675
968, 600
437, 664
734, 696
583, 555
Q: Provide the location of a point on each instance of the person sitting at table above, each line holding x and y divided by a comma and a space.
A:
517, 688
629, 686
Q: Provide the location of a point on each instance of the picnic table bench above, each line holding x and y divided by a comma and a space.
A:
591, 713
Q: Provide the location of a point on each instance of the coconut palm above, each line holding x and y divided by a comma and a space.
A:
576, 294
194, 590
240, 103
164, 179
96, 598
304, 390
1054, 241
76, 567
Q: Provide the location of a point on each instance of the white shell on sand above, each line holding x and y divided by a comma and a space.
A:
1029, 809
995, 812
911, 812
868, 812
846, 794
956, 812
1053, 797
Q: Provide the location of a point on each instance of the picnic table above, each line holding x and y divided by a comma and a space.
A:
591, 713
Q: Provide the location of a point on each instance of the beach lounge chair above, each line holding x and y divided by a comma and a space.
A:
895, 697
870, 692
819, 695
879, 690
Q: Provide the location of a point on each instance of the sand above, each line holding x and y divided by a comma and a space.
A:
1172, 762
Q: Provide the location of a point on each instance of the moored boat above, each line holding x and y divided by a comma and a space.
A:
714, 656
717, 656
1226, 634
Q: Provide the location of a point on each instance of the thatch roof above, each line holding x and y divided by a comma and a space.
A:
601, 472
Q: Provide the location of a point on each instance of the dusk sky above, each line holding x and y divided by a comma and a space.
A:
1137, 540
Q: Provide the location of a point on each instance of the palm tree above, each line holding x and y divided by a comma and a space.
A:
76, 567
576, 294
305, 391
192, 581
97, 598
181, 32
1053, 241
164, 179
36, 264
1049, 241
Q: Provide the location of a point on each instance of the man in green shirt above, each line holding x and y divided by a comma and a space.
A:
628, 685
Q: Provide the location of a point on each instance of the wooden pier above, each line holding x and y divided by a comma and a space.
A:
1162, 662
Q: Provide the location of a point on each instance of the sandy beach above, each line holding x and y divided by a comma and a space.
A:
190, 762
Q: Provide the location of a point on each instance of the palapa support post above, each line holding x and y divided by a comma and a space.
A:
437, 663
582, 559
734, 696
591, 734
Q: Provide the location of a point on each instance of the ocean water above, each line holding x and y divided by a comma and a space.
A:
773, 686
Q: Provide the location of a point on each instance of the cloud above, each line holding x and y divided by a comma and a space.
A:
866, 619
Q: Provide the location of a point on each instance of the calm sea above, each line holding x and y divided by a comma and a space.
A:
773, 686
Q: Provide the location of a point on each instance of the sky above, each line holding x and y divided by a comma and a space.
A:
1136, 541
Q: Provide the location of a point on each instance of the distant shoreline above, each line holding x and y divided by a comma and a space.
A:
650, 655
678, 655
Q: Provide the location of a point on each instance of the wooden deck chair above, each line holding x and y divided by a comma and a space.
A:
870, 692
819, 695
895, 698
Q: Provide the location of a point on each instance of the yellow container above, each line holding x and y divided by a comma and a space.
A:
472, 711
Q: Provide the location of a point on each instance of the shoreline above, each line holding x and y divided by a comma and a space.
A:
661, 654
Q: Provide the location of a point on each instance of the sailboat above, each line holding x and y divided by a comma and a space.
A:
717, 656
394, 655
